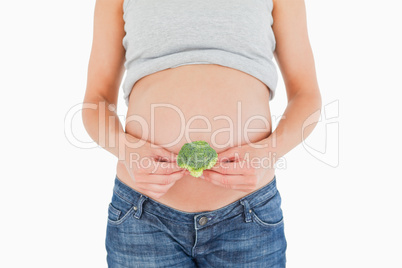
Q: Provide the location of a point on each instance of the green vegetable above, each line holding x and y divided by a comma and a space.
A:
196, 157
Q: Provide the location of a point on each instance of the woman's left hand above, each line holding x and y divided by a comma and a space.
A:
241, 168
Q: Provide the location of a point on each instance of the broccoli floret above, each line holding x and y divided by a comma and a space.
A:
196, 157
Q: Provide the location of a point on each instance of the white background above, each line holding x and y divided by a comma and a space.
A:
341, 190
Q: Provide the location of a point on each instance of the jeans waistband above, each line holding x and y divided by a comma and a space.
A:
145, 203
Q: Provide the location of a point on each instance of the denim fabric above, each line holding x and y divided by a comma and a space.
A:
142, 232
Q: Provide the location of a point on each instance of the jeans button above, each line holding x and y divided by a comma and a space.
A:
203, 220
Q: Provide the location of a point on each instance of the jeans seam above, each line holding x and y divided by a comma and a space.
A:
193, 253
123, 219
122, 197
267, 199
114, 210
173, 221
267, 225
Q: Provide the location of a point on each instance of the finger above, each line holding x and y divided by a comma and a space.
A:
231, 154
239, 187
166, 179
161, 179
232, 168
161, 168
229, 179
162, 154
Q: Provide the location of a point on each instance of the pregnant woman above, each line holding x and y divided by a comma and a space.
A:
198, 70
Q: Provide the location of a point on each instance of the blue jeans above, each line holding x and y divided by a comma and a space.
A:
142, 232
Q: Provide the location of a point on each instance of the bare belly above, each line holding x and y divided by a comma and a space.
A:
220, 105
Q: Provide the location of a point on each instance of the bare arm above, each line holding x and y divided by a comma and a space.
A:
295, 59
105, 71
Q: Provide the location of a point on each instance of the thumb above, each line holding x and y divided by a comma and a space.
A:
230, 155
163, 154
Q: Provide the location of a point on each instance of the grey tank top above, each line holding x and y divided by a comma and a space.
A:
162, 34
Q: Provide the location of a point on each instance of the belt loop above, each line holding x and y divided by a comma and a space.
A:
247, 210
138, 207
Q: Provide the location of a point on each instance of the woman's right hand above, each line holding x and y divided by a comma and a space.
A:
153, 168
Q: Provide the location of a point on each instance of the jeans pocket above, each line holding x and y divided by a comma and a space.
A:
113, 213
119, 210
268, 213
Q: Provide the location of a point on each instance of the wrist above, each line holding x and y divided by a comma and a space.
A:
270, 147
124, 140
128, 145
